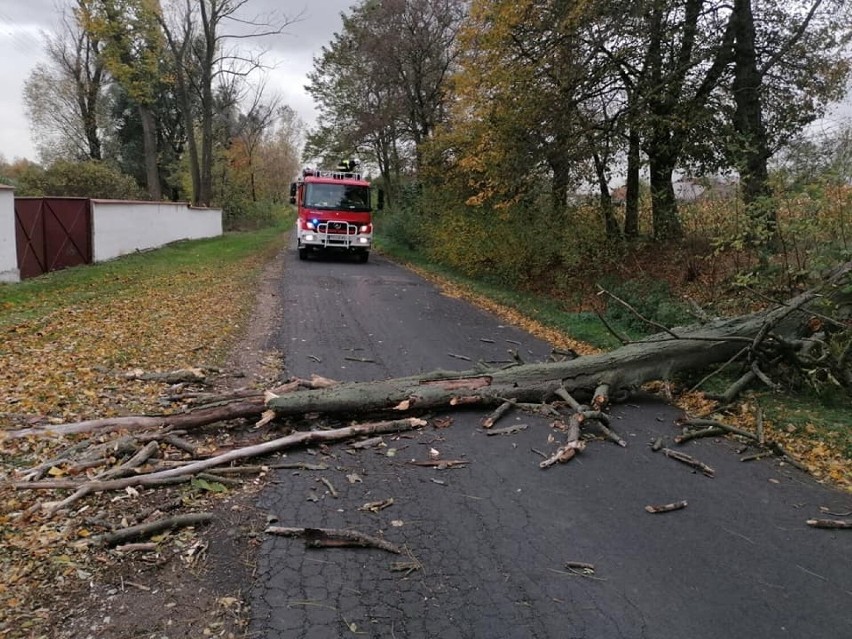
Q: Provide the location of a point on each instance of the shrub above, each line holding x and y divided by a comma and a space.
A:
79, 179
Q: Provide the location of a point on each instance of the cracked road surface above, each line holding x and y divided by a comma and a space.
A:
493, 537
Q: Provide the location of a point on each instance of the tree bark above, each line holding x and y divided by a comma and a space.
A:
149, 142
663, 204
631, 203
753, 146
657, 357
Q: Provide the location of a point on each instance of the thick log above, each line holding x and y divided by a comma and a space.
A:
657, 357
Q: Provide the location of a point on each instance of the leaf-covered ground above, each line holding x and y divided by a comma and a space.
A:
64, 353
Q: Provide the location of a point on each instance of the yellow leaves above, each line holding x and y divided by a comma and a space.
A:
62, 356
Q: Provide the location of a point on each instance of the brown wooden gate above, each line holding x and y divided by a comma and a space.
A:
52, 233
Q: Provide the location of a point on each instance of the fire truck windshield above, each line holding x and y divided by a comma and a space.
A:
337, 196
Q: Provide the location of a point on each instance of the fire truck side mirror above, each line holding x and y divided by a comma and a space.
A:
381, 203
292, 193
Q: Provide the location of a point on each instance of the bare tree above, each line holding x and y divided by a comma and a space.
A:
65, 98
201, 36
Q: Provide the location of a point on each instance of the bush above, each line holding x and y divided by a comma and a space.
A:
650, 298
241, 214
79, 179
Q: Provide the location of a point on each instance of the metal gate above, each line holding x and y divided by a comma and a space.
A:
52, 233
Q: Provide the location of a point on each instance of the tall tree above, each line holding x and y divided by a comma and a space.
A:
382, 83
201, 36
789, 63
65, 97
132, 53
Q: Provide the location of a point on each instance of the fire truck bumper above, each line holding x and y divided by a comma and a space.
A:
313, 239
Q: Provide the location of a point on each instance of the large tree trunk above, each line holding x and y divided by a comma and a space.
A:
613, 232
657, 357
631, 203
149, 142
663, 204
754, 150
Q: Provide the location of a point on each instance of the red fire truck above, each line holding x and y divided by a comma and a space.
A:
335, 211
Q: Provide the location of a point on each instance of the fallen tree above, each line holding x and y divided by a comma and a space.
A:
762, 341
793, 335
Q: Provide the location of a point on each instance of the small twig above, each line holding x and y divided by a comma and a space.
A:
329, 486
181, 444
662, 327
830, 523
760, 434
717, 424
76, 496
376, 506
689, 461
763, 377
461, 357
563, 394
441, 464
367, 443
225, 481
579, 565
718, 370
137, 547
621, 338
756, 456
666, 508
335, 537
563, 454
501, 410
779, 450
603, 424
363, 360
151, 528
712, 431
299, 466
508, 430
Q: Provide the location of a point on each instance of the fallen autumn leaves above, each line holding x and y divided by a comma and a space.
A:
63, 356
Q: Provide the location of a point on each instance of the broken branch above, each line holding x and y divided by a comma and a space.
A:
334, 537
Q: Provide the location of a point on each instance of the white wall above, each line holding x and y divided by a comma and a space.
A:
120, 227
8, 247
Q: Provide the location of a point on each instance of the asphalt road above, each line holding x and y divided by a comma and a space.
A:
493, 537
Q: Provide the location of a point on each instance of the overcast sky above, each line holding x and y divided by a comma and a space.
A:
22, 23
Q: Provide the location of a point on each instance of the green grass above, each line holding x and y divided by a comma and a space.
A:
585, 327
805, 415
40, 295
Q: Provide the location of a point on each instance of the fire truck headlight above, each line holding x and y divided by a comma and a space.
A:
310, 225
364, 228
363, 240
309, 237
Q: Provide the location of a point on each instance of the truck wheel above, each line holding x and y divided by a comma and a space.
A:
303, 253
363, 256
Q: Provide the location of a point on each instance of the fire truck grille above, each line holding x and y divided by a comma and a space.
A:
338, 227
